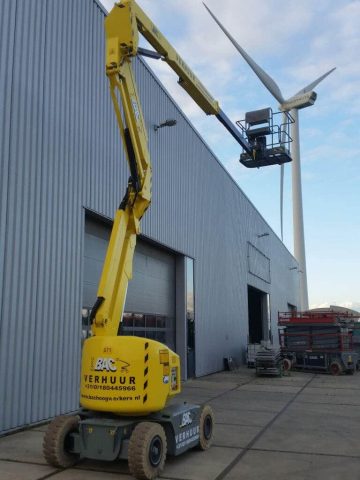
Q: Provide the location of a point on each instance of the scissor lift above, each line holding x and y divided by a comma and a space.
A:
321, 341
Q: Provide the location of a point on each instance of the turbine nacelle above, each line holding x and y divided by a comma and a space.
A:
299, 101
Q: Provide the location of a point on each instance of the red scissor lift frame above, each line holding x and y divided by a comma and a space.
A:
318, 340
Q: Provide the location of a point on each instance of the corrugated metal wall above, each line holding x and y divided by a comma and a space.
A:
61, 152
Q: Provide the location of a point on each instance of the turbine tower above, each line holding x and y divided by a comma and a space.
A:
304, 98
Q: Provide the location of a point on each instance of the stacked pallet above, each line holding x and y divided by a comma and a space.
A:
268, 362
253, 349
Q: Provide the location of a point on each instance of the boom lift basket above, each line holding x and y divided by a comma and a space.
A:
269, 138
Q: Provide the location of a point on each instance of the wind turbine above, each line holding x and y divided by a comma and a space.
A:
304, 98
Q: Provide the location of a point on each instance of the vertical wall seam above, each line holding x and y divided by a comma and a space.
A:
12, 68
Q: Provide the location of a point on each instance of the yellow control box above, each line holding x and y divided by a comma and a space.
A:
127, 375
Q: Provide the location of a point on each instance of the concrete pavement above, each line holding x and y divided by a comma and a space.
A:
302, 426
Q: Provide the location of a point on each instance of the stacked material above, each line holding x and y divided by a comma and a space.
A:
268, 362
253, 349
251, 352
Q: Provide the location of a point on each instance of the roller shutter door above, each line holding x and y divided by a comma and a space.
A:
150, 303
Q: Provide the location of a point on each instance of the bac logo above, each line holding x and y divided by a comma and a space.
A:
107, 364
186, 419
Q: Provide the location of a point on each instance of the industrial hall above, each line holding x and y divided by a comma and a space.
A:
209, 273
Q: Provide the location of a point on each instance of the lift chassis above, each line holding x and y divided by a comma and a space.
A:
143, 441
334, 363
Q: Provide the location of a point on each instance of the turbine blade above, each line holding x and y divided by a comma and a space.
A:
313, 84
268, 82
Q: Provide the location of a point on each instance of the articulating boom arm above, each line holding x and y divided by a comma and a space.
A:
131, 19
187, 79
122, 27
121, 40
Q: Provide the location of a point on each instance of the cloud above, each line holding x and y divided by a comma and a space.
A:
295, 47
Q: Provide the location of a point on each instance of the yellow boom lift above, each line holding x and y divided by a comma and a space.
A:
126, 382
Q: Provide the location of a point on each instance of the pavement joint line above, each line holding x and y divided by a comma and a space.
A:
229, 390
93, 469
172, 478
335, 388
49, 475
255, 410
340, 455
261, 433
44, 477
334, 404
58, 470
250, 410
226, 446
238, 424
27, 462
327, 394
287, 385
79, 467
203, 387
233, 389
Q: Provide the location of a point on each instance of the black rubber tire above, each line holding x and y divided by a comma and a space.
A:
206, 427
335, 368
144, 436
54, 444
287, 364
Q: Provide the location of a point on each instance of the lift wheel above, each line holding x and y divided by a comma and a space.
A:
335, 368
147, 450
57, 441
287, 364
206, 425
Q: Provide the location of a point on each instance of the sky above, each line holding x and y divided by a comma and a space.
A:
295, 42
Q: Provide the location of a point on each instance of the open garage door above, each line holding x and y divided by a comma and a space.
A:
259, 315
